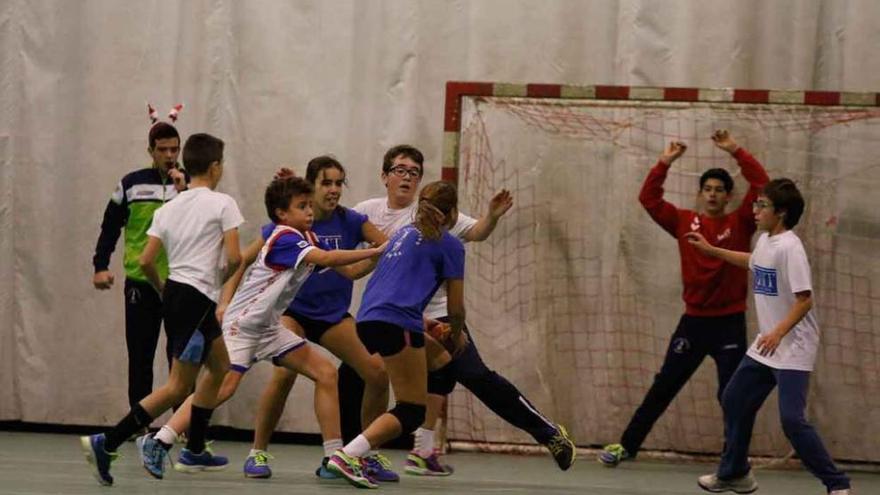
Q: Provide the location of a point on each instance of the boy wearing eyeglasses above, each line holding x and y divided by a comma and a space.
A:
784, 352
714, 293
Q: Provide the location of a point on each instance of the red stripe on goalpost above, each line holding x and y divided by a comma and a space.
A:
612, 92
681, 94
821, 98
454, 91
751, 96
544, 90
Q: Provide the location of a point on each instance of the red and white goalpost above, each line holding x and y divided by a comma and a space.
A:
576, 294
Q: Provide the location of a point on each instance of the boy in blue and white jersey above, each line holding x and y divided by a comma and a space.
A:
251, 326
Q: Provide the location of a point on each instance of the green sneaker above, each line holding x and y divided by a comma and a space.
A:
562, 448
613, 454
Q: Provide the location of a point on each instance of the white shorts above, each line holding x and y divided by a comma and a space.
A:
247, 347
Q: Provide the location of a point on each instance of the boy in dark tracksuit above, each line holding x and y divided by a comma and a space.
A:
137, 196
714, 292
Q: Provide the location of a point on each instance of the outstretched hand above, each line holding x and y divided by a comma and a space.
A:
500, 204
698, 241
673, 150
722, 139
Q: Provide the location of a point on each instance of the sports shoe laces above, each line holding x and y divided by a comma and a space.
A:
382, 460
262, 458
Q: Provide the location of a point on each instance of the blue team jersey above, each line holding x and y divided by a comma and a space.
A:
408, 275
326, 295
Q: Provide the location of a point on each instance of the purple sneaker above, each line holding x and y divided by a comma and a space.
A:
426, 466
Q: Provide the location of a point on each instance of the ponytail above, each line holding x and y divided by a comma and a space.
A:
436, 202
429, 220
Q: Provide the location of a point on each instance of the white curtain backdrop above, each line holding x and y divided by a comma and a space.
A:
282, 81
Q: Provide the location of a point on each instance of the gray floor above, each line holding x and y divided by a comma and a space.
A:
33, 464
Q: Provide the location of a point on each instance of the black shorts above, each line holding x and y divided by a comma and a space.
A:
190, 323
388, 339
315, 329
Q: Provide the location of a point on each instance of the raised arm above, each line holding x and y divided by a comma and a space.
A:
498, 206
651, 195
736, 258
751, 168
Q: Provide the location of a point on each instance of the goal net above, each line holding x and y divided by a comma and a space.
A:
577, 292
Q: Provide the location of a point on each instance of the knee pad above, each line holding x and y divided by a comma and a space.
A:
441, 382
410, 415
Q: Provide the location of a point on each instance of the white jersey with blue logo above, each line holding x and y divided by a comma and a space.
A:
780, 269
271, 282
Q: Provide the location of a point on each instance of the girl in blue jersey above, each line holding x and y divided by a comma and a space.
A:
420, 258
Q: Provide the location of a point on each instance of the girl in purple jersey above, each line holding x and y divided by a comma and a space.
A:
420, 258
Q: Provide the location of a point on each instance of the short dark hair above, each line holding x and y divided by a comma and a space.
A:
720, 174
405, 150
281, 192
313, 169
162, 130
786, 197
200, 151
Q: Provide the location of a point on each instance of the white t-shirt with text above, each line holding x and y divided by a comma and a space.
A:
390, 220
779, 270
191, 229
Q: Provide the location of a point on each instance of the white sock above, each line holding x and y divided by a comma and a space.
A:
166, 435
331, 446
425, 442
357, 447
254, 452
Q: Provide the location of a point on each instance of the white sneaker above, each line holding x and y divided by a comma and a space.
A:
711, 483
845, 491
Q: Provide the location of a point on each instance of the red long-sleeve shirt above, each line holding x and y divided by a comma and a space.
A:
712, 287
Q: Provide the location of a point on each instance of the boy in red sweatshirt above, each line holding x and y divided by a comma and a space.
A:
714, 293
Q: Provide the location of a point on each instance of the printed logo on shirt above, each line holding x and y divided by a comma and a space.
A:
331, 240
395, 249
723, 235
765, 281
302, 244
695, 223
681, 345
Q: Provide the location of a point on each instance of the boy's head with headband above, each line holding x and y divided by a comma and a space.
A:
164, 140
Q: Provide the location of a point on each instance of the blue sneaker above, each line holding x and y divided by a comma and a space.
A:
257, 465
100, 459
194, 463
153, 455
378, 467
324, 473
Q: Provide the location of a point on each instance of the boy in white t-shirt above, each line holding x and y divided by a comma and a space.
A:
784, 353
195, 229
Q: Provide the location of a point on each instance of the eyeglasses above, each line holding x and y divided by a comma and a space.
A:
761, 204
402, 171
